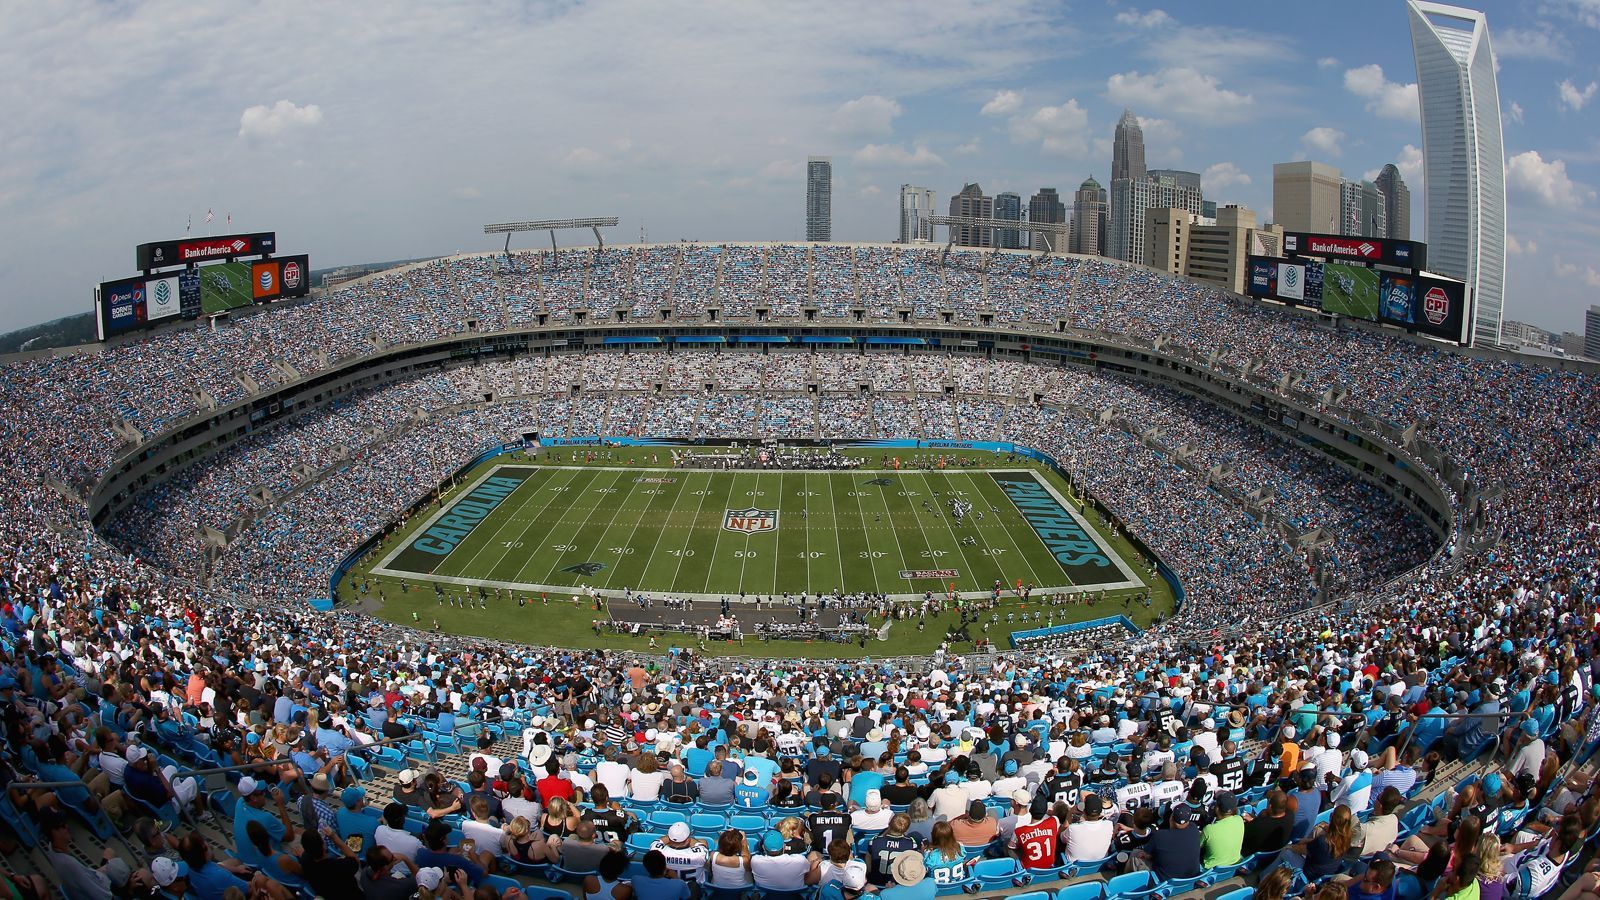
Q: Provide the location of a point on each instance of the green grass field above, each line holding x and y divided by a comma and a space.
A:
225, 286
551, 526
1350, 291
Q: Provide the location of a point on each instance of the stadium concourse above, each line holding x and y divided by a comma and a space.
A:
1430, 729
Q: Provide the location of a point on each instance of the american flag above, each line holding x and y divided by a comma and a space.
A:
209, 217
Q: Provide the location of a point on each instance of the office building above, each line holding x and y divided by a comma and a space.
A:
1361, 209
1127, 149
1396, 204
1216, 253
972, 202
1008, 206
1572, 343
1167, 238
1090, 219
916, 205
819, 199
1130, 203
1305, 196
1190, 180
1591, 332
1463, 156
1045, 206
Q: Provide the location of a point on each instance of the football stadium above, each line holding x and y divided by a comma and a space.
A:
783, 570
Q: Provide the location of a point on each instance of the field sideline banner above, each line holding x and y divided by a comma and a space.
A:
1069, 628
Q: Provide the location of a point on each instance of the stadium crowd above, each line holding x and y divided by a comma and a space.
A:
1250, 728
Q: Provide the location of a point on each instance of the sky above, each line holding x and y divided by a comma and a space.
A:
366, 131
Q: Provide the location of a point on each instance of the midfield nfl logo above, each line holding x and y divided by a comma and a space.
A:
751, 520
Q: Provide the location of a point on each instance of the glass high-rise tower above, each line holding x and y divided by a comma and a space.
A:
1463, 156
819, 199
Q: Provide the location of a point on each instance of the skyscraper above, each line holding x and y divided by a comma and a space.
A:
916, 204
972, 202
1179, 177
1046, 206
1361, 209
1591, 332
819, 199
1127, 149
1132, 198
1008, 205
1463, 156
1305, 196
1396, 204
1090, 219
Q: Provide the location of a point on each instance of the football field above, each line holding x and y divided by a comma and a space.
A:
555, 528
1350, 291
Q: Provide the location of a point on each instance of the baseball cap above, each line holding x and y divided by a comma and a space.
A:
874, 800
678, 832
1021, 797
407, 776
1359, 759
166, 870
1010, 767
1182, 813
1492, 783
429, 877
772, 842
1226, 802
248, 786
1288, 732
1530, 728
751, 776
134, 753
352, 795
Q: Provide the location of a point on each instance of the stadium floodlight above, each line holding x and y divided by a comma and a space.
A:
593, 223
1049, 230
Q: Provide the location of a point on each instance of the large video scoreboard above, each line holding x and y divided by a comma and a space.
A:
1373, 279
159, 297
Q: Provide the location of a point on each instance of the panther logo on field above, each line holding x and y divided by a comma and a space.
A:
588, 568
881, 482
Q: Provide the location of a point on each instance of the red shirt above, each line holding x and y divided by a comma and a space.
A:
555, 786
1037, 843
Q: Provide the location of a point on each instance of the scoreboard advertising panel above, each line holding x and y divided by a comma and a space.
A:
1294, 281
163, 254
128, 304
1415, 301
1382, 251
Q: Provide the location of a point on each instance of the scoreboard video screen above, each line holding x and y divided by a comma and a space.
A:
145, 301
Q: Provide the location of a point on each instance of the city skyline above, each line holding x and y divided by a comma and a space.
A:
317, 137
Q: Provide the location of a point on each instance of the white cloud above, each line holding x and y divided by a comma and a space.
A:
869, 116
1585, 11
1586, 274
1529, 43
583, 158
1517, 248
1516, 112
466, 193
782, 169
272, 121
970, 148
1328, 62
1003, 103
1324, 140
871, 190
1410, 165
1180, 92
1385, 98
1155, 18
1574, 98
1059, 130
919, 157
1222, 176
1546, 182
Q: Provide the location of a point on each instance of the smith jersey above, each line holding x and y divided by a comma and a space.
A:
1063, 787
609, 824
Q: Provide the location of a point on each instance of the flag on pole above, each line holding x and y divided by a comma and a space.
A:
209, 217
189, 227
230, 220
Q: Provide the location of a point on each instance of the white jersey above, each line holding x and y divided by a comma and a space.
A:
1165, 792
1133, 796
688, 863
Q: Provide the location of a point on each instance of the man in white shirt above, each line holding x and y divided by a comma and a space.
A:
874, 816
951, 800
392, 834
1529, 756
776, 870
612, 774
1089, 836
